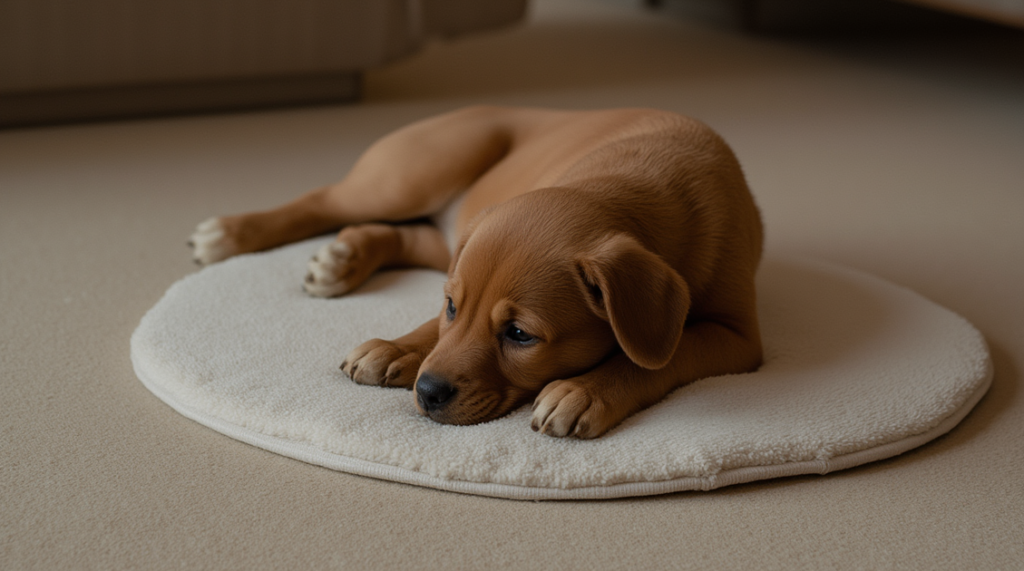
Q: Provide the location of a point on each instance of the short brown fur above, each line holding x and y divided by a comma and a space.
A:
605, 258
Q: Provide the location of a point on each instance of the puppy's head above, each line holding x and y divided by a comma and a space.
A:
532, 297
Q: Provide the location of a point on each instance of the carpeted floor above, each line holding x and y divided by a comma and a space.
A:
896, 152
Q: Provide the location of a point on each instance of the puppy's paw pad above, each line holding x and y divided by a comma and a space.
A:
212, 242
329, 270
567, 408
382, 363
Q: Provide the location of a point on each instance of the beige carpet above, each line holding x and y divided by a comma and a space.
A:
898, 154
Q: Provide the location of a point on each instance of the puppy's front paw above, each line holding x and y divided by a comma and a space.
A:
567, 408
382, 363
212, 242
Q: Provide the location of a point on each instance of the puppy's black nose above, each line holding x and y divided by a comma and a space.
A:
432, 392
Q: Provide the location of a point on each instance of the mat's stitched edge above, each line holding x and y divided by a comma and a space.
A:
312, 455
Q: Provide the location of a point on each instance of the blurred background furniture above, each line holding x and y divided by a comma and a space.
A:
773, 15
91, 59
1009, 12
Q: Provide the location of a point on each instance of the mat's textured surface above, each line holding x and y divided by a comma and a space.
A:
856, 370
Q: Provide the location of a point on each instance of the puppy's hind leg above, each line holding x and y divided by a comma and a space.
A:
361, 249
220, 238
417, 170
409, 174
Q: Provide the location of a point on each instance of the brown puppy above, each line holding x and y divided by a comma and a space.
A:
604, 259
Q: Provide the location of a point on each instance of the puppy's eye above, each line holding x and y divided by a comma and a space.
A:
450, 310
514, 333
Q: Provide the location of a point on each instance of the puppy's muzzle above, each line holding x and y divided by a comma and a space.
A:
433, 393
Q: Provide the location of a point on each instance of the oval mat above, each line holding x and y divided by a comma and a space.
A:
856, 370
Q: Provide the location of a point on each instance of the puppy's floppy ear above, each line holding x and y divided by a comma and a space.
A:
641, 296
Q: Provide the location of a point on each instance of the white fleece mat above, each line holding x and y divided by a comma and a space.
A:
856, 370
